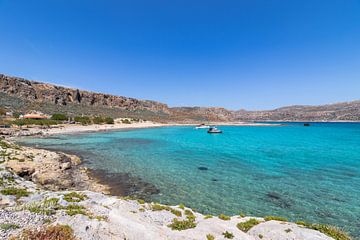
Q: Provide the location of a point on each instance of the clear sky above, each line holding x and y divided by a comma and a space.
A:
252, 54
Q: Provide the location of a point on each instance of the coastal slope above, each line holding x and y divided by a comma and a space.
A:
21, 95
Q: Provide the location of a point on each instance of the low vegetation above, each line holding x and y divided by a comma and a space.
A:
224, 217
42, 122
59, 117
188, 212
126, 121
73, 209
181, 206
182, 224
140, 201
228, 235
57, 232
101, 120
46, 207
75, 197
276, 218
83, 120
208, 216
246, 226
331, 231
8, 226
5, 145
18, 192
158, 207
210, 237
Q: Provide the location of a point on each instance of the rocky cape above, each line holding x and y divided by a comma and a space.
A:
21, 95
44, 192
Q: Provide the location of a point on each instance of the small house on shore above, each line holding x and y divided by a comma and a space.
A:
35, 116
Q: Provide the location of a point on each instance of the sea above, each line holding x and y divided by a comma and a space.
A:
302, 173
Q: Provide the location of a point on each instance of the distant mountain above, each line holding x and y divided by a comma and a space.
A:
346, 111
23, 95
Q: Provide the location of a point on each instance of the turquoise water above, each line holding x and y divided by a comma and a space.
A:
303, 173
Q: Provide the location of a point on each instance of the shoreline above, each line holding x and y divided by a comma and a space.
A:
66, 129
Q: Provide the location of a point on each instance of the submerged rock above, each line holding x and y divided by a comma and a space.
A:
203, 168
278, 200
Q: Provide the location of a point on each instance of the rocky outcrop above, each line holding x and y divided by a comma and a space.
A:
51, 170
57, 95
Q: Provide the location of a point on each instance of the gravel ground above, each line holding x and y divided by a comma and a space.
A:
22, 219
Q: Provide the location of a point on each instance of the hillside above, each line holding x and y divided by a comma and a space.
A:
346, 111
22, 95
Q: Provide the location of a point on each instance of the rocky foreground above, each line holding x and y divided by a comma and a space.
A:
45, 195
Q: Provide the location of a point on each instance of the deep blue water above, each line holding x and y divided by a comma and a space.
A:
303, 173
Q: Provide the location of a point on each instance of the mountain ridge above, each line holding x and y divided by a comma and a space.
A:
21, 94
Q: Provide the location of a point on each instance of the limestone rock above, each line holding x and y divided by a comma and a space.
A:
275, 230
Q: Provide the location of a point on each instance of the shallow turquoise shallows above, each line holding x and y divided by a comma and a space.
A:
303, 173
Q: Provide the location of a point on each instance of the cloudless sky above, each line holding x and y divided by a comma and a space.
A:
252, 54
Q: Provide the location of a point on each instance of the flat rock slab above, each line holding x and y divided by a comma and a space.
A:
276, 230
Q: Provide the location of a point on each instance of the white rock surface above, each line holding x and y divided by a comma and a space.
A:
276, 230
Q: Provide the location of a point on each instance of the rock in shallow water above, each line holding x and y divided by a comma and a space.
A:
203, 168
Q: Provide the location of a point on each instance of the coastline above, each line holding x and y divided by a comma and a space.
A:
77, 128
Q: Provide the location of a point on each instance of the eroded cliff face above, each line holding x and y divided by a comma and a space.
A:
43, 92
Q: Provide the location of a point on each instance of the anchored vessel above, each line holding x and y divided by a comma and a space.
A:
202, 126
214, 130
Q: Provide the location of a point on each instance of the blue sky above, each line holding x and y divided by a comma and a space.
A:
239, 54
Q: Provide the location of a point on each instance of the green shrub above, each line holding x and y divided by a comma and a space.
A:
224, 217
181, 206
182, 224
158, 207
40, 122
210, 237
109, 120
228, 235
188, 212
18, 192
16, 114
98, 120
245, 226
59, 117
8, 226
141, 201
126, 121
208, 216
46, 207
73, 209
331, 231
276, 218
74, 197
83, 120
176, 212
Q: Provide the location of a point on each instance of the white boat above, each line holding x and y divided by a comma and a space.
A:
202, 126
214, 130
